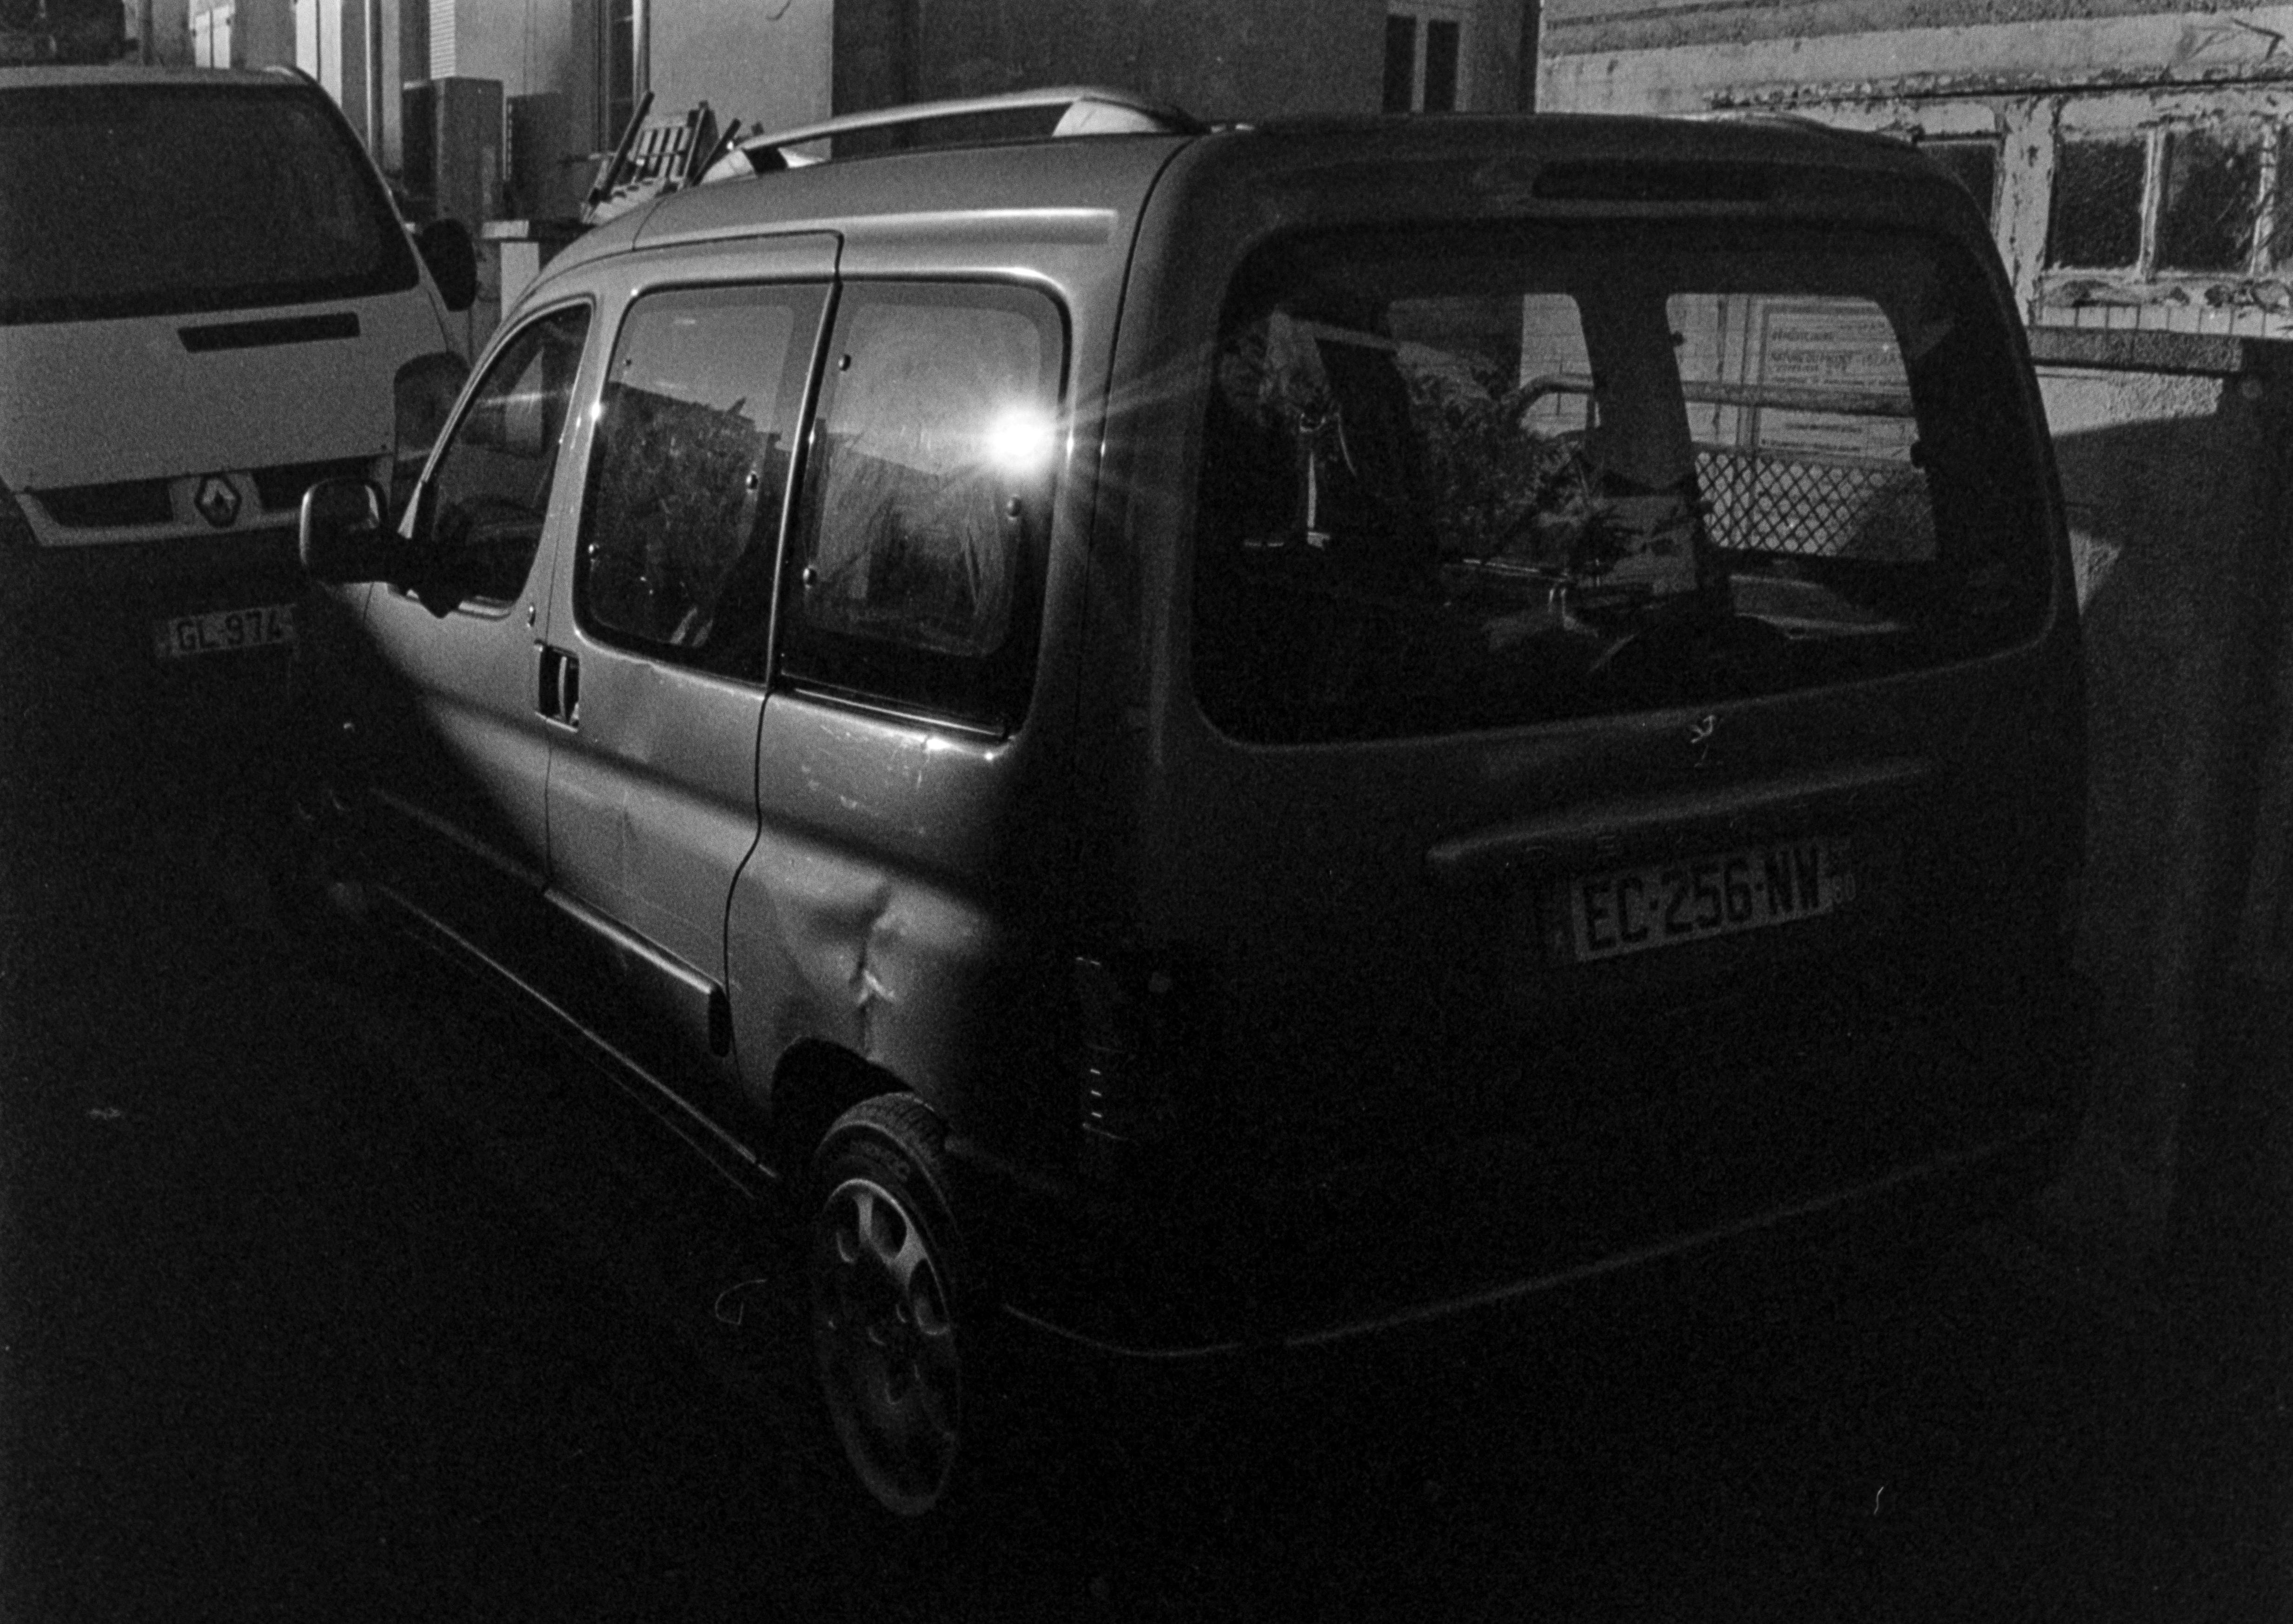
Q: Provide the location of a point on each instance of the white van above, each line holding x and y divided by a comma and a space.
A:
208, 302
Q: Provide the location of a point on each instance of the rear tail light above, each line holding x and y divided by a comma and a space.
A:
1106, 1067
16, 533
425, 390
1133, 1042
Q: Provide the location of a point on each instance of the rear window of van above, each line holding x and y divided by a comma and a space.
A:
154, 200
1455, 480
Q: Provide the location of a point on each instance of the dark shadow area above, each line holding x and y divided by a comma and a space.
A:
2185, 618
347, 1297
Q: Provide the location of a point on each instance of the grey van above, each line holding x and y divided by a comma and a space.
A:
1220, 738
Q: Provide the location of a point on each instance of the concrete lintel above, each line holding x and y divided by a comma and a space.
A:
2004, 82
2207, 355
1691, 55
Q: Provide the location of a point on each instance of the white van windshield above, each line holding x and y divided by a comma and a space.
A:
1477, 479
149, 200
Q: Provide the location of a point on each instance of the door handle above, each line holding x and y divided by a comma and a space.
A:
557, 692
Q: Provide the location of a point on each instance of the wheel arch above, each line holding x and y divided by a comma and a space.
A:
815, 1083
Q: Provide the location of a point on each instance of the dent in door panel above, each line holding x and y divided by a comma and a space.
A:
829, 945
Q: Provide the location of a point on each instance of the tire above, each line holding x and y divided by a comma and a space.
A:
318, 904
896, 1321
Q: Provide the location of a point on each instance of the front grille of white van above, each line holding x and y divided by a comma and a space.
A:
107, 506
131, 504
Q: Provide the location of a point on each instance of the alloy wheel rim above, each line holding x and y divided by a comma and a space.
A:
884, 1345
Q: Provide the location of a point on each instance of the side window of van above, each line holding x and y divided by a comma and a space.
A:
681, 528
920, 559
490, 488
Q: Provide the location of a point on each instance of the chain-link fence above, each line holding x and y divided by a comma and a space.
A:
1836, 507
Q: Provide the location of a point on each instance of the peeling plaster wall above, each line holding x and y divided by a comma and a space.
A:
1683, 55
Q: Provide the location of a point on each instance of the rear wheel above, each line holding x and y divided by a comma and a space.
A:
893, 1317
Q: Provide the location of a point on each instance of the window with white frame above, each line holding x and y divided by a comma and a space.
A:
1425, 57
2187, 200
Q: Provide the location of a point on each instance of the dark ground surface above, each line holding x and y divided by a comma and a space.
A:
331, 1297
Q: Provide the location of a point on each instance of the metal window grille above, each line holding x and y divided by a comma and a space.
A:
1836, 508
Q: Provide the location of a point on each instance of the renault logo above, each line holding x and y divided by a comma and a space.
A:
217, 502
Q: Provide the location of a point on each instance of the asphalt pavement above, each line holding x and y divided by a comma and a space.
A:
326, 1292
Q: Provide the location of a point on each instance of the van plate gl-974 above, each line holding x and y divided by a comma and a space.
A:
224, 631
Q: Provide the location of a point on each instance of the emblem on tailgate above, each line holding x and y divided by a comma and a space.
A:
217, 502
1699, 737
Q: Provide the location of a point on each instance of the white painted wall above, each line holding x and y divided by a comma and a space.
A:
527, 48
766, 62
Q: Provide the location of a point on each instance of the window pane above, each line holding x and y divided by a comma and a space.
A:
938, 432
1456, 480
1822, 465
2095, 218
1440, 66
1400, 64
681, 528
490, 488
1974, 164
212, 198
2212, 184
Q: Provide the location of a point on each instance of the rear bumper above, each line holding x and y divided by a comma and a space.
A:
1135, 1308
1230, 1257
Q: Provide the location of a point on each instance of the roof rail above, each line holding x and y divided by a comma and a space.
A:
1087, 110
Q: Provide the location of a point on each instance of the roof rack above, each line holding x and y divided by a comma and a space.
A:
1086, 109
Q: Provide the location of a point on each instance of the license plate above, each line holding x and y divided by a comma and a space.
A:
224, 631
1632, 910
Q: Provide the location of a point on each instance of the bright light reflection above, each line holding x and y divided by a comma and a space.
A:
1020, 440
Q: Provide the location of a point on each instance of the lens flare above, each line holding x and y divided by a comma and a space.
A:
1019, 440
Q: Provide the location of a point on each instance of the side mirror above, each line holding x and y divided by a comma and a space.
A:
446, 248
342, 536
